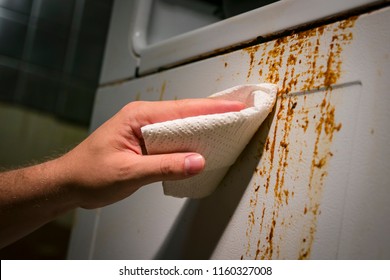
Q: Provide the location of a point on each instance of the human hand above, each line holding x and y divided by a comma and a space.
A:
109, 165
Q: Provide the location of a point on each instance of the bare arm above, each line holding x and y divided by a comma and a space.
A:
106, 167
31, 197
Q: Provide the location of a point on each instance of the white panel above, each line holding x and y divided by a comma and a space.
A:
171, 18
120, 229
119, 61
266, 20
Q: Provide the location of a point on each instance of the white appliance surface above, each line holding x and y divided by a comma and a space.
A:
120, 62
146, 35
312, 183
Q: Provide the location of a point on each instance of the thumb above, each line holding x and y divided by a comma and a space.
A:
167, 167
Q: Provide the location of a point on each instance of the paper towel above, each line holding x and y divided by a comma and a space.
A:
220, 138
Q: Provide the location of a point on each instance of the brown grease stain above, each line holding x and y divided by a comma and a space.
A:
298, 63
162, 91
252, 59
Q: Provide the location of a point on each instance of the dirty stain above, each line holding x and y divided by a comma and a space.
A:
137, 96
252, 59
162, 91
296, 154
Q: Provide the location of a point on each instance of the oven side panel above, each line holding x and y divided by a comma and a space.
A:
312, 183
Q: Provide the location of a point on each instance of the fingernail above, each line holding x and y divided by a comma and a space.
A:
194, 164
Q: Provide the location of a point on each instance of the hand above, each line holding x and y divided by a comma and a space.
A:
109, 165
106, 167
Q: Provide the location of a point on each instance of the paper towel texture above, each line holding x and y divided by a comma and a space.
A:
220, 138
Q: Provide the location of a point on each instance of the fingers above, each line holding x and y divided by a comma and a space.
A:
193, 107
152, 112
168, 167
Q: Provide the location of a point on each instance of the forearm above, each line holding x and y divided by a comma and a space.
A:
31, 197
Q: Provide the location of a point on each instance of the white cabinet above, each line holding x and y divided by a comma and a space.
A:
314, 181
120, 62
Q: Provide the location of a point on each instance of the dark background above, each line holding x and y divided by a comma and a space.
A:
51, 53
50, 59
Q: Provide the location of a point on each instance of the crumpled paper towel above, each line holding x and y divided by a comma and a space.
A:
220, 138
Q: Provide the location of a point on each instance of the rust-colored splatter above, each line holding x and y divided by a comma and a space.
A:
251, 51
162, 91
303, 62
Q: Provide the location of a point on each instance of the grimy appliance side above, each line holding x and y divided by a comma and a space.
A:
313, 183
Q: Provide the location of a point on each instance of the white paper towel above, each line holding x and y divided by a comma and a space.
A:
220, 138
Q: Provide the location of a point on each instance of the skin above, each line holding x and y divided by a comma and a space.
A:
106, 167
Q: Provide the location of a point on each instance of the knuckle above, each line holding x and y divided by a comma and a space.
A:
132, 106
169, 166
183, 102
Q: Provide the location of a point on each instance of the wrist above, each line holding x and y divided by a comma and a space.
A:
60, 175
